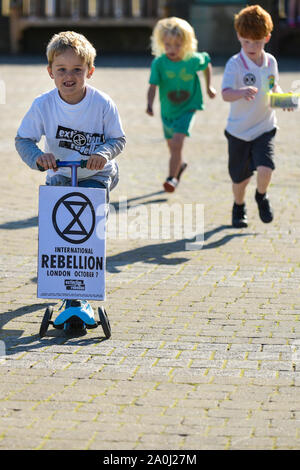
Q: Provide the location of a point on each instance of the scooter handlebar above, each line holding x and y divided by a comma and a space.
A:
70, 164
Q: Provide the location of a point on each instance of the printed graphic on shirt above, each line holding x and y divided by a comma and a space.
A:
170, 74
185, 76
271, 79
182, 74
84, 143
249, 79
178, 96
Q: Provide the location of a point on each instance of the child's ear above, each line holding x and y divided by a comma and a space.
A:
50, 71
267, 39
90, 72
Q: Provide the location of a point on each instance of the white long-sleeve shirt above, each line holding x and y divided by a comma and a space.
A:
72, 132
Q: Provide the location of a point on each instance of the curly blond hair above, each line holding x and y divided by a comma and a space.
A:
253, 22
175, 27
60, 42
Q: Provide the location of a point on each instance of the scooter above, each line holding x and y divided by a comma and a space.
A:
76, 315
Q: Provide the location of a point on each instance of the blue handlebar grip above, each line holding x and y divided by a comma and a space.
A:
82, 164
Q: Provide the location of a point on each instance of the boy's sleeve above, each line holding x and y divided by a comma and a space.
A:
229, 76
111, 148
113, 131
32, 126
30, 132
28, 151
203, 60
154, 74
112, 121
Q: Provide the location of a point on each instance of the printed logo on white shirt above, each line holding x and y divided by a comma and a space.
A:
249, 79
82, 142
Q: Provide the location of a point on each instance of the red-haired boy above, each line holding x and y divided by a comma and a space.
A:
251, 126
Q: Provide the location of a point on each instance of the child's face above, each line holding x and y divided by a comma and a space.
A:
173, 47
253, 48
69, 73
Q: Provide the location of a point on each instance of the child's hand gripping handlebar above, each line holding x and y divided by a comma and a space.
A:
70, 164
80, 163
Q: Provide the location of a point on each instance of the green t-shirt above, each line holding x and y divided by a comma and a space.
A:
179, 84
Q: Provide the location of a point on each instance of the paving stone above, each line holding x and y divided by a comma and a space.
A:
205, 346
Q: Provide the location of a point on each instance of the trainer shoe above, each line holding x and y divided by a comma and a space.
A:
170, 184
264, 207
239, 216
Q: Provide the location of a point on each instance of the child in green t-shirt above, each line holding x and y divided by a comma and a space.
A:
174, 72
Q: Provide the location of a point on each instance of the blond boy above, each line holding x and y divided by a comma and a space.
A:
77, 120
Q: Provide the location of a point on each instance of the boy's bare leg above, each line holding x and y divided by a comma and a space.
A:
264, 175
239, 190
175, 146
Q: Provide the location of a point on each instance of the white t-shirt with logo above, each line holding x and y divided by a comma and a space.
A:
73, 131
248, 120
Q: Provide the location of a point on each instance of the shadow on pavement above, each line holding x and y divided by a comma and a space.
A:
157, 253
6, 317
33, 221
154, 254
16, 343
19, 224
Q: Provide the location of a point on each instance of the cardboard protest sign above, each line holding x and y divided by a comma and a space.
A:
71, 255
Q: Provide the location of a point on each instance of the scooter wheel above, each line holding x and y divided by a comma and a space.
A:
104, 322
46, 321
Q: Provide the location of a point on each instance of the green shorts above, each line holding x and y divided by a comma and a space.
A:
181, 125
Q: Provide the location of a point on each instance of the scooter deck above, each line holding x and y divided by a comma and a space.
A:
84, 313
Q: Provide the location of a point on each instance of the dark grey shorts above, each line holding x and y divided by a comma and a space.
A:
245, 157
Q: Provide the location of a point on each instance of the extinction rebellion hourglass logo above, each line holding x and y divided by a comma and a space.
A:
73, 218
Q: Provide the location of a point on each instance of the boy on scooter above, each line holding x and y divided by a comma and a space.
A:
77, 120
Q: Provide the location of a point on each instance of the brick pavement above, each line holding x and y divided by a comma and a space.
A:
204, 352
